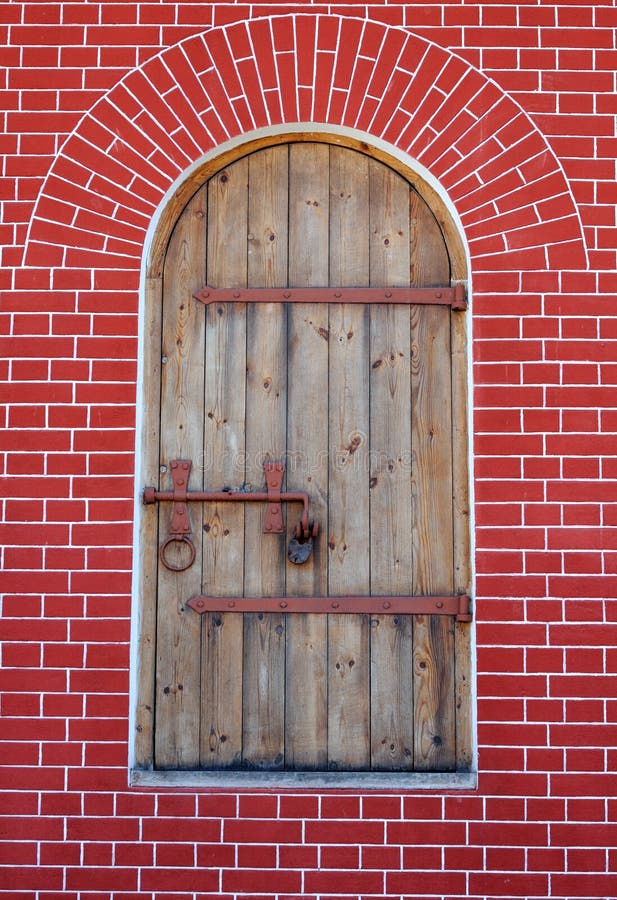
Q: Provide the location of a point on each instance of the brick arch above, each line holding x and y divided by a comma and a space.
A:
113, 172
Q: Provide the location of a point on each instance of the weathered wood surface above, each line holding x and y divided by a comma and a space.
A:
266, 403
432, 539
390, 482
357, 402
307, 465
181, 436
461, 541
148, 561
348, 491
223, 464
449, 229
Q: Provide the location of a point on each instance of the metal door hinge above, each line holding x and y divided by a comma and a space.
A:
455, 297
457, 605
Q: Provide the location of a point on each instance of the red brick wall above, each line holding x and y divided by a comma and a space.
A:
511, 108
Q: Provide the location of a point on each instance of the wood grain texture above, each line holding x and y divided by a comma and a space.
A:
392, 721
391, 549
307, 463
223, 463
221, 696
211, 167
362, 405
429, 260
182, 428
266, 423
461, 538
348, 492
432, 538
390, 482
148, 558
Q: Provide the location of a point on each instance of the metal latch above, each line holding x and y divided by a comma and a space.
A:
181, 530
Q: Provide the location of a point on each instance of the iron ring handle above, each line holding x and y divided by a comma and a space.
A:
185, 539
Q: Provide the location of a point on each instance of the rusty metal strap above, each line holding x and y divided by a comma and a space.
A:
454, 297
458, 605
273, 496
180, 531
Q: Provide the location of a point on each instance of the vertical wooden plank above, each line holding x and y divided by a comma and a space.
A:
434, 649
266, 396
391, 550
462, 565
307, 464
429, 261
432, 537
223, 463
148, 562
348, 493
390, 499
182, 385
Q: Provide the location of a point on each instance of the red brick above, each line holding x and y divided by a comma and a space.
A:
97, 854
585, 885
336, 832
380, 807
544, 809
583, 834
426, 832
100, 828
595, 784
295, 856
544, 659
93, 682
184, 830
517, 884
585, 860
343, 857
216, 805
380, 858
30, 775
505, 858
451, 883
505, 734
500, 659
258, 806
176, 854
101, 879
422, 858
216, 855
18, 803
33, 878
323, 881
16, 828
586, 810
66, 852
62, 754
584, 710
543, 710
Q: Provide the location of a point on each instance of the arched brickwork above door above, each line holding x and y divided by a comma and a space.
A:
160, 120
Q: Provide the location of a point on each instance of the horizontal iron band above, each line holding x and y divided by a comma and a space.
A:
442, 296
151, 495
458, 605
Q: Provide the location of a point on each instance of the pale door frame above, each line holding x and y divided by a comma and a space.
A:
148, 463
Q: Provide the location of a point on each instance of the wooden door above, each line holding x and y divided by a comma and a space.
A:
356, 400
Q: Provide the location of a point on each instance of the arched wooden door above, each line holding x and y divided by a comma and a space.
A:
354, 400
